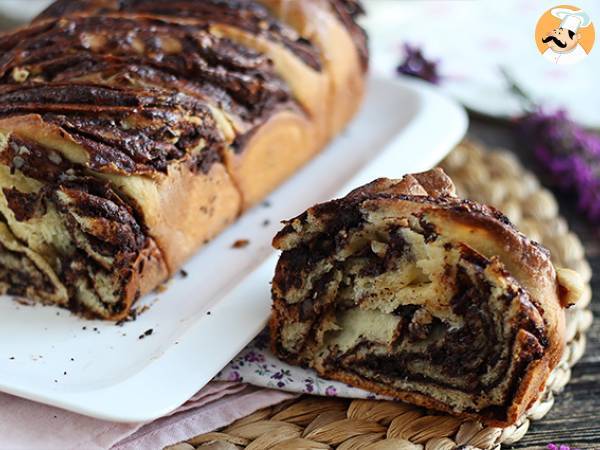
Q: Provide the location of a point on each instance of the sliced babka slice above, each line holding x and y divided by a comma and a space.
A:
403, 289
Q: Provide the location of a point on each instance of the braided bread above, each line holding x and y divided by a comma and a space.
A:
133, 131
404, 289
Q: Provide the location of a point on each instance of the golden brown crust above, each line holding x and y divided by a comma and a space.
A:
431, 195
148, 271
263, 163
187, 210
345, 83
433, 183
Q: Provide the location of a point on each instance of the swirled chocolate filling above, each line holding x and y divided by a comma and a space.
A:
246, 15
65, 236
123, 130
145, 52
19, 275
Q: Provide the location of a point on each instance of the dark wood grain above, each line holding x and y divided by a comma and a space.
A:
575, 418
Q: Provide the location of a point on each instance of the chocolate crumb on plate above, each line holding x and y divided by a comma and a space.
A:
183, 273
240, 243
134, 313
148, 332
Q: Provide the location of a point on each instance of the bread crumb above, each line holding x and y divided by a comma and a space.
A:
240, 243
146, 333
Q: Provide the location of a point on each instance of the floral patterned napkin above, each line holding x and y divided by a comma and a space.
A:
256, 365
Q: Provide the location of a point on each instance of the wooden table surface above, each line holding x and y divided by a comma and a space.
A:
575, 417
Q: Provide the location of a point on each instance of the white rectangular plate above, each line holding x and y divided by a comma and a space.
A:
201, 321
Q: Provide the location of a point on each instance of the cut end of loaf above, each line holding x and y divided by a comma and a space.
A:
67, 238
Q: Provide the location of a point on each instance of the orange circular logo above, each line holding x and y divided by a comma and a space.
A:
565, 34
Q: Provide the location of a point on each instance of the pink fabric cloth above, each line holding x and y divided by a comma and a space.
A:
26, 425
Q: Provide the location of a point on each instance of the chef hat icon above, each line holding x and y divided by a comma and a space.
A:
571, 20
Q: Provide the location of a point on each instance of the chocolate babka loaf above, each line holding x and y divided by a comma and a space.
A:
406, 290
133, 131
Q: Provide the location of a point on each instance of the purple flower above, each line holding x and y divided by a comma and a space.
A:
280, 374
330, 391
277, 375
416, 65
234, 376
253, 357
570, 155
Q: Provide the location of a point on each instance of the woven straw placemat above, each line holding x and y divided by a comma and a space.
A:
489, 176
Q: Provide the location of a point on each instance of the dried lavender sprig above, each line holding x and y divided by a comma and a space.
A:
527, 102
416, 65
569, 153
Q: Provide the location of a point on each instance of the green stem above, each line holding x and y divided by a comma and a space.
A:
526, 101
